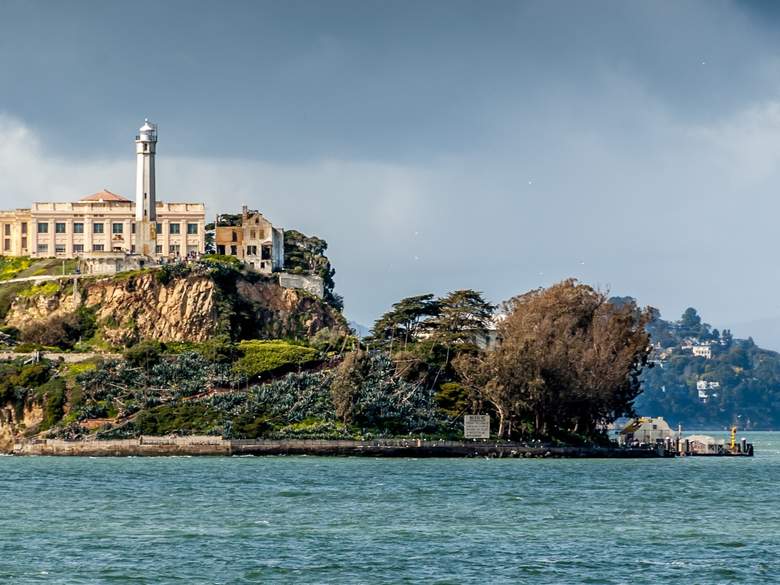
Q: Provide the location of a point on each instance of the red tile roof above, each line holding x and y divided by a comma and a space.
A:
105, 195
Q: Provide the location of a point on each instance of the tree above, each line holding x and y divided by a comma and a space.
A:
690, 325
464, 318
569, 361
347, 379
405, 321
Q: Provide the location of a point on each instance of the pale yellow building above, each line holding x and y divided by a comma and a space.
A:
253, 239
109, 223
103, 222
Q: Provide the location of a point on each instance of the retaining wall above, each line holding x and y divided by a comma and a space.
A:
207, 445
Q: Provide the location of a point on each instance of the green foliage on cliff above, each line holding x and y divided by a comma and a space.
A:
62, 331
45, 289
11, 267
263, 357
182, 418
306, 254
53, 396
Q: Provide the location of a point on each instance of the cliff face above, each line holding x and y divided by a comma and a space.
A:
192, 307
12, 422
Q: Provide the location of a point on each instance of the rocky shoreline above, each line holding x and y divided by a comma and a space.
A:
216, 446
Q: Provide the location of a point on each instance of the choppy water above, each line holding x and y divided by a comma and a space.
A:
332, 520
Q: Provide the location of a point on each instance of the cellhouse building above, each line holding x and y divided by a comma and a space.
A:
105, 224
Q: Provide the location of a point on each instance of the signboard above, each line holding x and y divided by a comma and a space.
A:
476, 426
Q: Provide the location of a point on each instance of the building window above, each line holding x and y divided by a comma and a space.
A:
78, 248
174, 249
6, 245
158, 227
7, 228
252, 235
59, 248
251, 250
43, 248
192, 228
174, 228
78, 228
266, 252
117, 228
158, 249
43, 228
24, 228
133, 228
97, 228
59, 228
97, 247
233, 236
24, 241
233, 251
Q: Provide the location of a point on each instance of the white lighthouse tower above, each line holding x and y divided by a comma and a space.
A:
145, 194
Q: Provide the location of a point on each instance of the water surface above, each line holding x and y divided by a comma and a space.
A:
352, 520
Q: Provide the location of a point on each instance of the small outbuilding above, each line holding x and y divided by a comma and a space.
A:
646, 430
704, 445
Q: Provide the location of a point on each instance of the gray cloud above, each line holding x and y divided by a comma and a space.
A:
499, 146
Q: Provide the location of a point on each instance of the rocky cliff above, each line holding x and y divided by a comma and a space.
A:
192, 304
16, 420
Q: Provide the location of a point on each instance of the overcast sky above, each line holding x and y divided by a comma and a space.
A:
494, 145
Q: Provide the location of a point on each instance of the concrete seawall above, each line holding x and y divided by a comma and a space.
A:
216, 446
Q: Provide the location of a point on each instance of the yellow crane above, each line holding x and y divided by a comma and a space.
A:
733, 439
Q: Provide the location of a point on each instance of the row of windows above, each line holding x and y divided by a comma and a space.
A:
60, 248
116, 228
79, 248
7, 229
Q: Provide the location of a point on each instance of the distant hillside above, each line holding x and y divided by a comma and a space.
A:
705, 378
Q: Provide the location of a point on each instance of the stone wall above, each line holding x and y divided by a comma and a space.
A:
310, 283
200, 445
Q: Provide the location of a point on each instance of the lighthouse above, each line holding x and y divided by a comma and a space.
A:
145, 195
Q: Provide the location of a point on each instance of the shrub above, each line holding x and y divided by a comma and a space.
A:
46, 289
264, 357
452, 398
52, 393
221, 259
143, 354
176, 418
170, 271
10, 266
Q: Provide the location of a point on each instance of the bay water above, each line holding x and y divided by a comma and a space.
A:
181, 520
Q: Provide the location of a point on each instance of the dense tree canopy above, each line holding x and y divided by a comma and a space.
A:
569, 361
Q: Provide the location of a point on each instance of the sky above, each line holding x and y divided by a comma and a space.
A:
435, 145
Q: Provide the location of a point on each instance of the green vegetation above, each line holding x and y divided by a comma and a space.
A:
62, 331
44, 289
10, 266
20, 267
306, 255
186, 418
263, 357
569, 363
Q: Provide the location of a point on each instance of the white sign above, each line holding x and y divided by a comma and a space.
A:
476, 426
